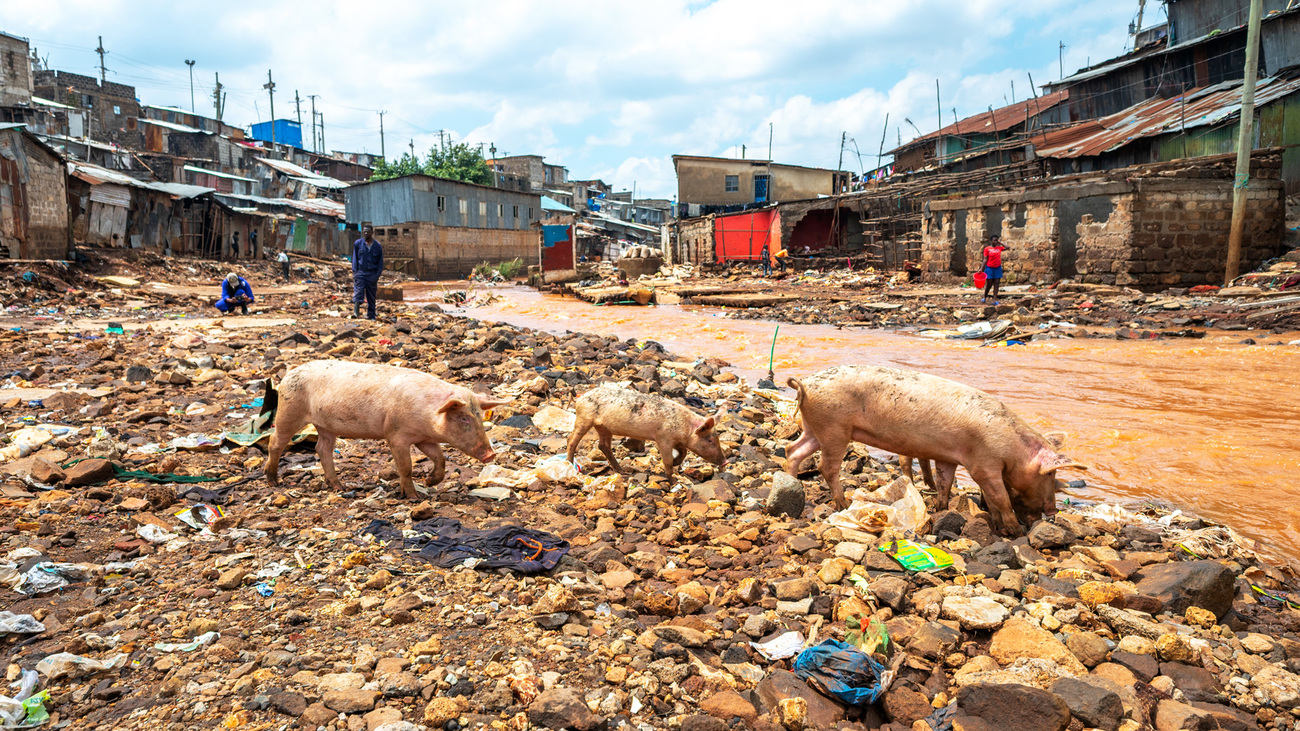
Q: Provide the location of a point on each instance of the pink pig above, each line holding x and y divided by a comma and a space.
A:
406, 407
615, 411
928, 417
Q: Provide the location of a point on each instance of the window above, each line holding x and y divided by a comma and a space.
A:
530, 213
442, 203
501, 210
516, 212
117, 109
464, 207
733, 183
482, 209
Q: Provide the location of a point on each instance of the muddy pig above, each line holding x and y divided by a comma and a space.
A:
615, 411
928, 417
406, 407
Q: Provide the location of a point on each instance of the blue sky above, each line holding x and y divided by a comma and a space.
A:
610, 90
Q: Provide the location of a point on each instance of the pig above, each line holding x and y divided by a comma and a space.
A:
928, 417
615, 411
905, 464
367, 401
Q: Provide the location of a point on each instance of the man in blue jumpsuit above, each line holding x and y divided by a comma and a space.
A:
235, 292
367, 264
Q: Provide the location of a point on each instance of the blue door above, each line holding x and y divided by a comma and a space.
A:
760, 188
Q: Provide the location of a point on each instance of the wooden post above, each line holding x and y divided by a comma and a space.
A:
1245, 143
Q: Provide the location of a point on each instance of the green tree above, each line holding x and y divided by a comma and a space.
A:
406, 165
459, 161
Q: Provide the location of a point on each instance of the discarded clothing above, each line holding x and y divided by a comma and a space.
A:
444, 542
220, 496
843, 671
120, 472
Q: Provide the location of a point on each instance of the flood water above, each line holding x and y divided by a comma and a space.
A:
1210, 425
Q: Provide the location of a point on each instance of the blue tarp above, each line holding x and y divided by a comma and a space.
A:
552, 235
841, 670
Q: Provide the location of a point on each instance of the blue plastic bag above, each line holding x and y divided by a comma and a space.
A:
841, 670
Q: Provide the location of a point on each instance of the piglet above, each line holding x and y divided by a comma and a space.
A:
928, 417
615, 411
406, 407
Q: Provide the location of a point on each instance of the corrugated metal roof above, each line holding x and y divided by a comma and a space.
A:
48, 103
217, 174
321, 182
96, 175
999, 120
1206, 106
550, 204
319, 206
170, 125
298, 172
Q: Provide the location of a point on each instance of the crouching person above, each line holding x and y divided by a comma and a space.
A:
235, 292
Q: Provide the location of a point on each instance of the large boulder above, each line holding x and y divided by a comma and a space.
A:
1095, 706
561, 708
1013, 707
779, 685
1021, 638
1204, 584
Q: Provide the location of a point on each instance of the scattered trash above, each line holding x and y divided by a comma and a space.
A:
780, 647
200, 516
196, 443
843, 671
154, 533
870, 639
48, 576
444, 542
898, 505
493, 493
24, 709
65, 664
19, 623
917, 557
554, 419
264, 589
202, 640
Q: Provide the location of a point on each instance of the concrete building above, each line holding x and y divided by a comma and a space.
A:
533, 168
114, 111
433, 228
33, 198
15, 71
722, 181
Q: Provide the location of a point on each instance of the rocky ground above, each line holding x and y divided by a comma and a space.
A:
287, 615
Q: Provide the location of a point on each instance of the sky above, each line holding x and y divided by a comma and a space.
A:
610, 90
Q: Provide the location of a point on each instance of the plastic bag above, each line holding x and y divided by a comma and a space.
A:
782, 646
200, 516
556, 469
898, 505
196, 443
917, 557
24, 710
23, 442
21, 623
153, 533
65, 664
48, 576
874, 637
843, 671
206, 638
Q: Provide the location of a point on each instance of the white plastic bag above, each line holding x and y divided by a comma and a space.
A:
21, 623
898, 505
65, 664
556, 469
206, 638
153, 533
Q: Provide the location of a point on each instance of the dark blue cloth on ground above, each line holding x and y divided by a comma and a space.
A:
445, 542
843, 671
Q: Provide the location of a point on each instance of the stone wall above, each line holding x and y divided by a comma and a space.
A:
1031, 232
1105, 247
692, 242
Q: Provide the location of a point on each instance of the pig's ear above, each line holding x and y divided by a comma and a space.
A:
706, 425
451, 405
1049, 461
1055, 438
486, 403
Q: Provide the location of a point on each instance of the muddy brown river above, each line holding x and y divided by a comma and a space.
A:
1211, 426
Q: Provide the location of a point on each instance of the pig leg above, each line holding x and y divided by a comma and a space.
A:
834, 446
325, 452
666, 454
607, 448
580, 429
905, 466
433, 451
799, 451
925, 473
997, 501
287, 424
402, 460
944, 474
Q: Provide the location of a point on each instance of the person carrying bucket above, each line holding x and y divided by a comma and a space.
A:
993, 268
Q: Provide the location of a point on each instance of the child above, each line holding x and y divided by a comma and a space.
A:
993, 269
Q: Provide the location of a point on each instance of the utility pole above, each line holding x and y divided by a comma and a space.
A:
843, 137
1137, 27
191, 65
312, 97
381, 135
1013, 91
1060, 57
937, 103
270, 87
297, 104
412, 147
322, 130
769, 144
216, 98
102, 70
1245, 143
883, 132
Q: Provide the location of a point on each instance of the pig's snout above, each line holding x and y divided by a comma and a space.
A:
487, 456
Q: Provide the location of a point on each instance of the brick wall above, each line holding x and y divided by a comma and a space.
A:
1105, 247
1031, 230
692, 242
35, 212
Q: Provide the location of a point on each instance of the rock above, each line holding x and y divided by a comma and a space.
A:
379, 579
317, 715
790, 590
947, 521
401, 685
792, 713
757, 625
380, 717
89, 472
892, 591
408, 603
1257, 643
1138, 534
1196, 683
350, 701
341, 681
1096, 707
728, 705
1276, 687
780, 684
1174, 716
1045, 534
934, 640
701, 722
442, 709
1183, 584
290, 704
1174, 647
1020, 638
786, 496
906, 706
561, 708
1198, 617
1000, 553
1094, 593
854, 552
230, 579
45, 471
1013, 707
1144, 667
138, 374
974, 613
1089, 647
691, 598
684, 636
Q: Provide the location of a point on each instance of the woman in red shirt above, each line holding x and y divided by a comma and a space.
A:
993, 269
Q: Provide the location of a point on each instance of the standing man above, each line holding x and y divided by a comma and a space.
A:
767, 262
283, 258
234, 246
993, 268
252, 243
367, 264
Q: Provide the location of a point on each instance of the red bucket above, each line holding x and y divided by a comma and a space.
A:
979, 279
